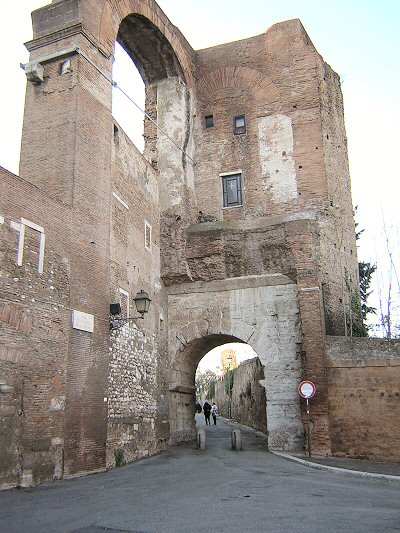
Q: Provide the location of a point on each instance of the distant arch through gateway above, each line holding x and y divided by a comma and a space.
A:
232, 375
182, 383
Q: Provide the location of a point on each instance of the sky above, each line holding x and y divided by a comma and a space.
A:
358, 38
212, 360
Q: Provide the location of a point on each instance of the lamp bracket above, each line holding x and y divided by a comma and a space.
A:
119, 322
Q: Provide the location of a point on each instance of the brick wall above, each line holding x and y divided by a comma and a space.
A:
35, 320
293, 157
265, 262
364, 397
276, 86
338, 266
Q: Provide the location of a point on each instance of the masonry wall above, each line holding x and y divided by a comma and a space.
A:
116, 223
248, 405
364, 397
272, 79
293, 156
137, 416
248, 395
290, 173
66, 153
338, 266
35, 332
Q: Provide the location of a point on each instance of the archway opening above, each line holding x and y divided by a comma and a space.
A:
230, 377
153, 82
126, 114
237, 400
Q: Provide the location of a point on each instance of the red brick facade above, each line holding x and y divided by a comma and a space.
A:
106, 222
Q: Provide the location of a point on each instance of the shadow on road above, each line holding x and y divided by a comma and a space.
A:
218, 437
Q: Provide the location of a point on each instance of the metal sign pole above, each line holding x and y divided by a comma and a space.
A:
308, 429
307, 390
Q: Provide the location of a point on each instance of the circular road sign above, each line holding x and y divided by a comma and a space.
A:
307, 389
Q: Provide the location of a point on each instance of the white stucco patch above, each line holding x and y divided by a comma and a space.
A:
276, 156
272, 312
175, 142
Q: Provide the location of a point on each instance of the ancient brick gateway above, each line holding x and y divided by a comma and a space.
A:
237, 220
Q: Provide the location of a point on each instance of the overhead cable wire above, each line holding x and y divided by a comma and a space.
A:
115, 84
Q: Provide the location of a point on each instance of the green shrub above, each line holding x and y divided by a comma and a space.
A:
119, 457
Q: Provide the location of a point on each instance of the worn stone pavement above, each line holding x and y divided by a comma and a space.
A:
216, 490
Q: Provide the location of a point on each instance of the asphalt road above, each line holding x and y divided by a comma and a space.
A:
190, 491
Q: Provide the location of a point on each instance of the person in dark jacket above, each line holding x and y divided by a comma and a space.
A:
207, 411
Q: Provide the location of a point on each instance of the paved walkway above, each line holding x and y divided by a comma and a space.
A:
217, 490
385, 469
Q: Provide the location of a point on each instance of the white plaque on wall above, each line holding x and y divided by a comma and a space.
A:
82, 321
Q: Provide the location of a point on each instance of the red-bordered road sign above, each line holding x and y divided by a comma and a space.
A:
307, 389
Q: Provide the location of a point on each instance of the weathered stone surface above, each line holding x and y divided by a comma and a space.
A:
248, 395
91, 221
364, 397
246, 310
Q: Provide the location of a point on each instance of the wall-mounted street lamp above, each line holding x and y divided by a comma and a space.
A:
142, 303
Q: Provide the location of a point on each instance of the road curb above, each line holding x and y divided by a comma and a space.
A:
337, 470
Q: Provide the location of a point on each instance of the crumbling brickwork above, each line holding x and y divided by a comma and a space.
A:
239, 227
34, 333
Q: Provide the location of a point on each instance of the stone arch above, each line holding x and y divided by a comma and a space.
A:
182, 389
166, 63
137, 12
149, 49
191, 354
261, 311
163, 76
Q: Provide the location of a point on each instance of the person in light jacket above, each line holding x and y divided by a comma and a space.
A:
214, 412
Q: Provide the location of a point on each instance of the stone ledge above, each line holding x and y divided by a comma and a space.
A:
230, 284
360, 363
181, 389
256, 224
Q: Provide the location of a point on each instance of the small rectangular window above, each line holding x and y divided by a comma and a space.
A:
239, 124
147, 236
209, 121
232, 190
